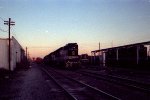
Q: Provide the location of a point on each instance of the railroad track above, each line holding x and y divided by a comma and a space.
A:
119, 80
70, 97
78, 90
132, 74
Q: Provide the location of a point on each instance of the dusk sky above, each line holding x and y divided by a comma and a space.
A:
45, 25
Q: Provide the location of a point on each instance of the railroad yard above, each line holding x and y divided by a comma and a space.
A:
75, 50
41, 82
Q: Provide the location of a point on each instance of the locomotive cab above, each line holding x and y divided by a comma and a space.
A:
72, 58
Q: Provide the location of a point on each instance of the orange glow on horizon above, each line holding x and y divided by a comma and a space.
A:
83, 49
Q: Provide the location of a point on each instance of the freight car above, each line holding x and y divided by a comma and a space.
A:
65, 57
84, 59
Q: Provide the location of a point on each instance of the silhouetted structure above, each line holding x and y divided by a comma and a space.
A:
124, 56
17, 54
84, 59
66, 56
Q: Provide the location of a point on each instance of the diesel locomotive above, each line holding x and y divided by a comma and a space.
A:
65, 57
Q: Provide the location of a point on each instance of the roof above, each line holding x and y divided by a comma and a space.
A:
3, 38
129, 45
69, 44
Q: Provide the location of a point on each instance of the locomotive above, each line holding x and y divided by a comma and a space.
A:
66, 56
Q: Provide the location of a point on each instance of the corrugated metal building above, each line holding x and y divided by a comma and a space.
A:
17, 54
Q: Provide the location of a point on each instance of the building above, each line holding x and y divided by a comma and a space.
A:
17, 54
127, 55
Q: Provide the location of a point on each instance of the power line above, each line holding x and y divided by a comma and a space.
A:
3, 30
39, 47
15, 34
2, 18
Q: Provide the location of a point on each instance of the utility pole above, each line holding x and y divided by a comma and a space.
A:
99, 46
9, 23
99, 53
27, 53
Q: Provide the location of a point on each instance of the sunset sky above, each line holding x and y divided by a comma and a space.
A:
45, 25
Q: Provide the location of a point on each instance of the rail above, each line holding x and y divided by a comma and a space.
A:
118, 80
69, 94
90, 87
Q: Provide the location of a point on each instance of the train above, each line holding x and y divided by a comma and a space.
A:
64, 57
84, 59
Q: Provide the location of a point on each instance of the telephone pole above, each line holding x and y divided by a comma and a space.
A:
9, 23
26, 53
99, 46
99, 53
